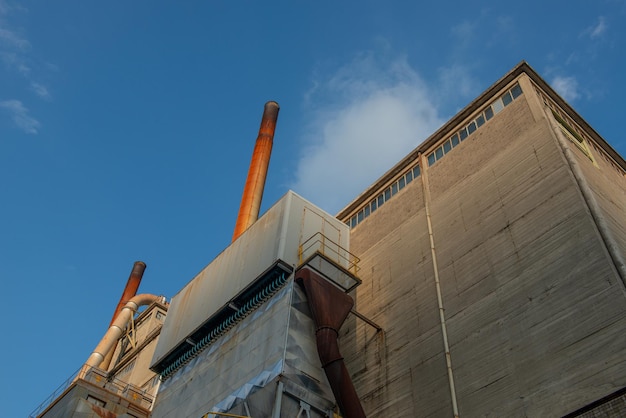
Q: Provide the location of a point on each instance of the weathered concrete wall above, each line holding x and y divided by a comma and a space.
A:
535, 311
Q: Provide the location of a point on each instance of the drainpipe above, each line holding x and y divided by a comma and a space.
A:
117, 328
129, 291
442, 314
255, 182
330, 308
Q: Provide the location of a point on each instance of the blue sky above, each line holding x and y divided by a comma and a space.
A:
126, 130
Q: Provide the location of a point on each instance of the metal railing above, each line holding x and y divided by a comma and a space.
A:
98, 378
320, 243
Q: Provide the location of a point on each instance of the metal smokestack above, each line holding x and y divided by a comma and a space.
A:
255, 183
131, 287
129, 292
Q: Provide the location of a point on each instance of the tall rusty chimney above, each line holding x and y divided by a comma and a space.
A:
129, 292
131, 287
255, 183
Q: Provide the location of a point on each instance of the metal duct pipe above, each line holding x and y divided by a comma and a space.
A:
130, 290
255, 182
117, 328
330, 308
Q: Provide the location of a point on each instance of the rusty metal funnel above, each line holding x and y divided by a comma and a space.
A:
330, 308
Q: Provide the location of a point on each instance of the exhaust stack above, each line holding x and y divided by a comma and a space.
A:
131, 287
255, 182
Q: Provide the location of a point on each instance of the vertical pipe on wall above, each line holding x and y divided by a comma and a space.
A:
442, 315
255, 182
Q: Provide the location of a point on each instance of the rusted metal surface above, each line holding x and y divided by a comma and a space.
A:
131, 287
330, 308
101, 412
255, 182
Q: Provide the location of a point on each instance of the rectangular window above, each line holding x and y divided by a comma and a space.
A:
96, 401
516, 91
488, 113
416, 171
366, 211
409, 177
374, 205
497, 106
506, 99
387, 194
455, 140
447, 147
394, 188
471, 128
359, 216
401, 183
480, 121
463, 134
381, 200
353, 222
431, 159
438, 153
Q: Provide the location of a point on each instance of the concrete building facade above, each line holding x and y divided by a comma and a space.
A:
491, 282
493, 258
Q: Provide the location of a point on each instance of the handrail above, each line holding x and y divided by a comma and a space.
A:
341, 254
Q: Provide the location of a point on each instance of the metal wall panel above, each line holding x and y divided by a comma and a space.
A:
275, 236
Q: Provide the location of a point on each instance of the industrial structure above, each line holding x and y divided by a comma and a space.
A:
482, 275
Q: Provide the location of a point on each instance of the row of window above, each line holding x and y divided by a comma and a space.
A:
494, 108
575, 134
479, 121
384, 196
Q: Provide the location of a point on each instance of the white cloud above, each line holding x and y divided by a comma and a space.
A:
20, 115
567, 87
40, 90
597, 30
365, 118
11, 39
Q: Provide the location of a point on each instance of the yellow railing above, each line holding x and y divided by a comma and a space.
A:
320, 243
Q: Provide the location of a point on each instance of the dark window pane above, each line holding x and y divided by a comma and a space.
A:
463, 134
394, 188
431, 159
409, 177
447, 147
401, 183
455, 140
387, 194
416, 171
438, 153
480, 121
381, 200
374, 205
516, 91
471, 128
506, 99
489, 113
359, 216
353, 222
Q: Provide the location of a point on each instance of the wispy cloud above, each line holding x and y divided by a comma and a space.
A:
13, 40
567, 87
365, 117
40, 90
598, 29
20, 115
